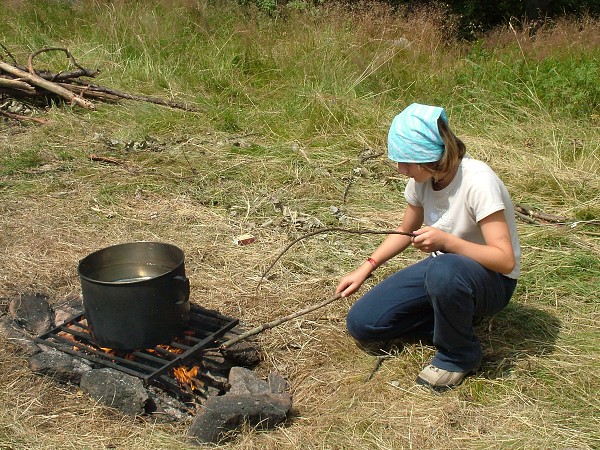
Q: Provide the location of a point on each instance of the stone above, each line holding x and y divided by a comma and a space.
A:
250, 400
61, 366
67, 310
244, 381
32, 312
165, 408
277, 383
222, 414
117, 390
242, 353
14, 334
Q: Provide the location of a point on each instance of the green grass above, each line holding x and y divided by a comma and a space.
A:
288, 106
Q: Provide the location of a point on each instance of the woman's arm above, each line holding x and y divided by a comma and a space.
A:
390, 247
497, 254
397, 243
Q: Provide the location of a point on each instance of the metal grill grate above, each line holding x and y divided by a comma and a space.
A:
151, 365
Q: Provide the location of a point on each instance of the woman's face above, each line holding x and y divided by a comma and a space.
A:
414, 170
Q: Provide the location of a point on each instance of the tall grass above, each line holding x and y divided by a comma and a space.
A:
293, 115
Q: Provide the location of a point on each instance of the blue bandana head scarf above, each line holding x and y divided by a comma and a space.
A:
414, 136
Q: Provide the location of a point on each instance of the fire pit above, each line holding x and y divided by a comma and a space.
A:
162, 365
204, 375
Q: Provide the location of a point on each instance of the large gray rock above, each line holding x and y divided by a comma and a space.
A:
250, 400
116, 389
59, 365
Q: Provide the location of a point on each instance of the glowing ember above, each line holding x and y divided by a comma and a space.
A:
66, 335
170, 349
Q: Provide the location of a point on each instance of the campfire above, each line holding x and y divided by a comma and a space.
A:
178, 367
136, 343
198, 376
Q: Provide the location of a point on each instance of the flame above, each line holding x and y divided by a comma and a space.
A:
170, 349
186, 377
108, 351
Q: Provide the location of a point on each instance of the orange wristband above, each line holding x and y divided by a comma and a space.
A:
372, 262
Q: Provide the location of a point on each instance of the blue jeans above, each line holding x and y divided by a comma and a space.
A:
438, 299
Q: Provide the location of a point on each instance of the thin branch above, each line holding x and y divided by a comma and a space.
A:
143, 98
274, 323
526, 218
327, 230
106, 159
378, 362
526, 210
85, 71
21, 117
8, 53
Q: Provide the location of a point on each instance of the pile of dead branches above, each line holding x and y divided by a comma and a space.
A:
19, 81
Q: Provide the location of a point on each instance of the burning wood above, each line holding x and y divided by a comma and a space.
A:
187, 377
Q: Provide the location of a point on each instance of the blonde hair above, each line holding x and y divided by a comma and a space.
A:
454, 150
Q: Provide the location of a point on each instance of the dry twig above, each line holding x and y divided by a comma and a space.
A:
22, 117
274, 323
327, 230
106, 159
524, 211
19, 81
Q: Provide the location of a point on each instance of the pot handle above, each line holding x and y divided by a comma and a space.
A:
186, 288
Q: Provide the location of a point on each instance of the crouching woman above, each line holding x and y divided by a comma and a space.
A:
470, 237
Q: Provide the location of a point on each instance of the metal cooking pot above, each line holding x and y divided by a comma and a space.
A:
135, 295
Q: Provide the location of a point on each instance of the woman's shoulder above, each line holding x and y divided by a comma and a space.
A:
474, 168
474, 164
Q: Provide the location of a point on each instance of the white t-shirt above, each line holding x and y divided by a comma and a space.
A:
473, 194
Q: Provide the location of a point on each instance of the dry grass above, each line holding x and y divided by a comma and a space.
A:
199, 188
53, 224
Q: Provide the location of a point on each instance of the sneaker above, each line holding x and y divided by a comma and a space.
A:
440, 379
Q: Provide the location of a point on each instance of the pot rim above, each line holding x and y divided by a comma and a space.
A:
95, 254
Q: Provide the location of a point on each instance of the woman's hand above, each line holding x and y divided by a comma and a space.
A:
496, 254
430, 239
351, 282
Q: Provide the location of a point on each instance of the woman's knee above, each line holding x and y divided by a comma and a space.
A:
357, 325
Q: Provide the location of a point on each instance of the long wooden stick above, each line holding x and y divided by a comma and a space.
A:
21, 117
274, 323
142, 98
45, 84
326, 230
